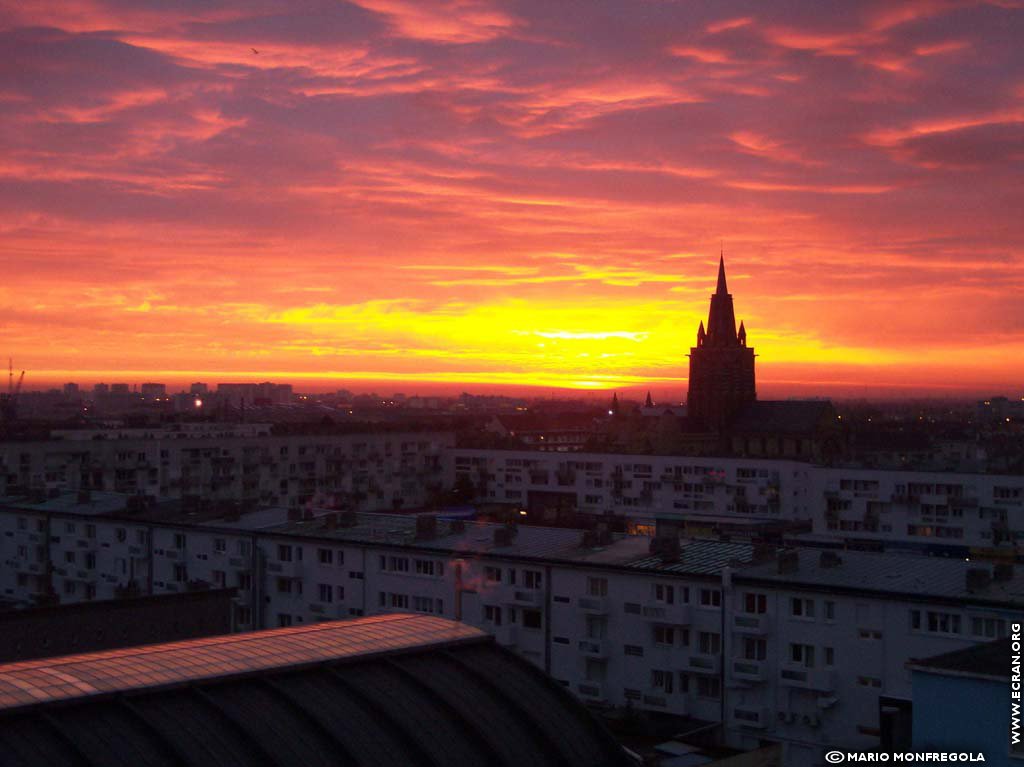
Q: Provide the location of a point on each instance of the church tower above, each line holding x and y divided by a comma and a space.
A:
721, 364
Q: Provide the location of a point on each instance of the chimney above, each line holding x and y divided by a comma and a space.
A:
426, 527
666, 547
762, 552
829, 559
503, 536
978, 578
789, 561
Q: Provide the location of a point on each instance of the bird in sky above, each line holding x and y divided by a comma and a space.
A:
255, 51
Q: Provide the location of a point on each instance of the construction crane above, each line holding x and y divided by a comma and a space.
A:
9, 400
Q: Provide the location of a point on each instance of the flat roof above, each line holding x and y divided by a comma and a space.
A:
984, 661
944, 577
76, 676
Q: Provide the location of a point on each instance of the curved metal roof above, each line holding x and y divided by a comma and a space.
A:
450, 697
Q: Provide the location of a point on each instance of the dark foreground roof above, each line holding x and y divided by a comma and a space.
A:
990, 660
386, 690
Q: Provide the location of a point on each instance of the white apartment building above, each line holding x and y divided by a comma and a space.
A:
807, 648
934, 512
367, 471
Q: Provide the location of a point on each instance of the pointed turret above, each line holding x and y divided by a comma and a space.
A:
701, 334
648, 402
613, 409
742, 335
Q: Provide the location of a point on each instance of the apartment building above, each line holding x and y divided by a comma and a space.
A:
935, 512
367, 471
802, 647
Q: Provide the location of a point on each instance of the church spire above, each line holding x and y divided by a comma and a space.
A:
721, 330
649, 402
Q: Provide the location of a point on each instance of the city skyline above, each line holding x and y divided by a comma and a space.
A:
507, 196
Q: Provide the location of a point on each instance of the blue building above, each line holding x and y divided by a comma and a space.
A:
962, 703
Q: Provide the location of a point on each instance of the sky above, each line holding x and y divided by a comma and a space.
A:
477, 193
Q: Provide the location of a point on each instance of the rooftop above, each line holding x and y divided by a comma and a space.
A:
393, 689
889, 572
988, 661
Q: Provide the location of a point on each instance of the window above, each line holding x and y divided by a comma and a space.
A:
244, 582
220, 545
394, 564
830, 610
710, 598
69, 557
243, 548
427, 605
219, 578
988, 628
664, 635
597, 627
709, 687
935, 622
597, 587
533, 579
90, 531
244, 616
664, 593
662, 680
121, 534
429, 567
325, 556
284, 585
180, 573
869, 634
755, 603
830, 656
492, 574
532, 619
632, 649
754, 649
284, 552
492, 614
179, 540
869, 681
802, 654
801, 608
284, 620
710, 642
326, 591
400, 601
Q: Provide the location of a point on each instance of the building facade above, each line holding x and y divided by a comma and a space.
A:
796, 647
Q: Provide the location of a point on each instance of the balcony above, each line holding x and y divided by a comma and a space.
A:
748, 670
593, 605
662, 612
524, 599
751, 623
590, 690
755, 717
704, 664
792, 675
593, 648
